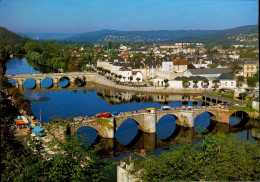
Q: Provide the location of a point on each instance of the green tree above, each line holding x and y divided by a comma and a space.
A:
165, 82
216, 82
212, 66
195, 82
197, 52
138, 79
131, 78
217, 157
235, 68
240, 79
205, 83
185, 83
251, 82
119, 76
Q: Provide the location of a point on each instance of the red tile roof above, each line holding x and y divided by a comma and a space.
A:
180, 62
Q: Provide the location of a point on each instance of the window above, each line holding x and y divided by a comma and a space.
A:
231, 83
225, 83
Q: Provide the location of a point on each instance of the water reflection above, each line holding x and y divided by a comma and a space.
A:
182, 135
238, 118
127, 132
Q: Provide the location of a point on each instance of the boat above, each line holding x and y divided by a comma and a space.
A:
21, 120
166, 108
39, 131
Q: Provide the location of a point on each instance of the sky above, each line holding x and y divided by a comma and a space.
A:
79, 16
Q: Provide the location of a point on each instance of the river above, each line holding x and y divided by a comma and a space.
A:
92, 99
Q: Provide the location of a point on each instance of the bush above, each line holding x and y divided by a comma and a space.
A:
217, 157
227, 95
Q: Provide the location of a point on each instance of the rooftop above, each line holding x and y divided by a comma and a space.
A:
209, 71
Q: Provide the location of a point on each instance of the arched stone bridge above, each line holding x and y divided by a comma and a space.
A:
72, 76
147, 121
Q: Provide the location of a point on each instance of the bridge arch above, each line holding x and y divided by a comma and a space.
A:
47, 82
204, 120
80, 81
166, 127
128, 133
13, 82
238, 118
160, 115
64, 81
138, 122
90, 135
29, 83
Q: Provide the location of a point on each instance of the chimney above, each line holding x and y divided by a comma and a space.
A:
142, 152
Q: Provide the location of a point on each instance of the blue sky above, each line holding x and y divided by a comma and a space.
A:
78, 16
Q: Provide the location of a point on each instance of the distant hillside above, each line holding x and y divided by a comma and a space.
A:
104, 36
224, 36
7, 37
166, 36
47, 36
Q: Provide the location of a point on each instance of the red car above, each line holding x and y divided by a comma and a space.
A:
12, 74
103, 115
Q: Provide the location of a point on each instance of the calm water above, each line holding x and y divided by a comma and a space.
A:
92, 99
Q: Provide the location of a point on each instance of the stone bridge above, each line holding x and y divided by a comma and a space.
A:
55, 77
147, 122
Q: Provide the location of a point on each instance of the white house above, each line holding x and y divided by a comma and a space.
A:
234, 56
137, 74
125, 75
167, 66
127, 164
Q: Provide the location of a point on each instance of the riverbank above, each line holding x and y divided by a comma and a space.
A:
98, 79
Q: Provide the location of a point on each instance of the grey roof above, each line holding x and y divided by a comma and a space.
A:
225, 76
209, 71
137, 158
249, 62
199, 78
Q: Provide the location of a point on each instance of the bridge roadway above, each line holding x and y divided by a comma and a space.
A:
72, 76
147, 121
212, 98
95, 78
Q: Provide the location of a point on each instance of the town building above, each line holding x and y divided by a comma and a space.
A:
127, 164
206, 72
249, 68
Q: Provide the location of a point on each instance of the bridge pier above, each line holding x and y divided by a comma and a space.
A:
38, 83
20, 84
72, 81
149, 124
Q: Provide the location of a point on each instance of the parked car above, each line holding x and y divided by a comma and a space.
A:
39, 131
189, 107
